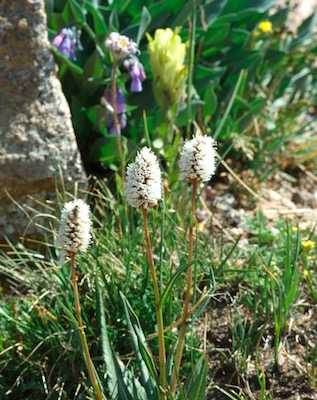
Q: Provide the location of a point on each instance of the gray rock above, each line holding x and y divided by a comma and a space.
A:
36, 133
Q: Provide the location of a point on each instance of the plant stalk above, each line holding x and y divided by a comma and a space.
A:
158, 309
182, 331
115, 117
89, 363
191, 56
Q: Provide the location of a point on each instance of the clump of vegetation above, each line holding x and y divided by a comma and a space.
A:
145, 294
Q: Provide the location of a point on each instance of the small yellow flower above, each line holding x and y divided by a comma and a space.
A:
200, 226
276, 271
255, 34
294, 228
307, 245
265, 26
305, 273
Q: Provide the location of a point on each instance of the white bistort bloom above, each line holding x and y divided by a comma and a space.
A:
143, 180
74, 231
121, 46
197, 161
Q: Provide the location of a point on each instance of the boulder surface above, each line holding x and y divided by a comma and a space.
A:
37, 140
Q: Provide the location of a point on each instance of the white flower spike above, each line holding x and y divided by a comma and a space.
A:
197, 161
143, 180
74, 231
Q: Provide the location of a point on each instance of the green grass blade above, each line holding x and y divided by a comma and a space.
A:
172, 281
230, 104
137, 335
107, 353
198, 388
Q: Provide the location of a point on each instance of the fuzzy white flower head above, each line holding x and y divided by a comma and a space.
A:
121, 46
197, 161
143, 180
74, 231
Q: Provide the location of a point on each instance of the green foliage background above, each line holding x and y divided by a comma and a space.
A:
238, 77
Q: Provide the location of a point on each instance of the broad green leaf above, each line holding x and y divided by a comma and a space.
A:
144, 23
241, 5
104, 150
243, 122
305, 31
114, 21
122, 372
204, 75
212, 11
211, 101
93, 68
78, 11
280, 17
100, 26
215, 35
181, 119
239, 36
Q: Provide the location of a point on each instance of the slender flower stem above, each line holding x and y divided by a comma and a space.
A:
115, 117
90, 366
158, 310
186, 313
191, 56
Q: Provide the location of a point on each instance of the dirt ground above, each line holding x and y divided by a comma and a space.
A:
288, 195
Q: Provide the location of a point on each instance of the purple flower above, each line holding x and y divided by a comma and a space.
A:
66, 41
106, 101
121, 46
137, 74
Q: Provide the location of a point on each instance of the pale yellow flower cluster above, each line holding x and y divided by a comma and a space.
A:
167, 57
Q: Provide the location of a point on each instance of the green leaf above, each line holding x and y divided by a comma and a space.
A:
215, 35
122, 374
92, 69
200, 309
212, 10
100, 26
230, 104
78, 11
181, 119
170, 361
239, 36
107, 352
104, 150
211, 101
243, 122
242, 5
280, 17
69, 314
114, 21
197, 389
137, 336
148, 360
144, 23
305, 31
172, 281
223, 262
74, 67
